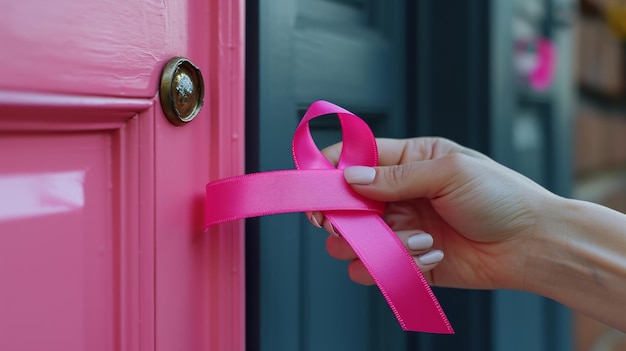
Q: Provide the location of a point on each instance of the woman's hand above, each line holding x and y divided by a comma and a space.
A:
446, 199
496, 228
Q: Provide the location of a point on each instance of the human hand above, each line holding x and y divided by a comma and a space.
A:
476, 211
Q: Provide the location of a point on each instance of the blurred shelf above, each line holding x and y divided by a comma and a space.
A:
600, 186
590, 8
597, 97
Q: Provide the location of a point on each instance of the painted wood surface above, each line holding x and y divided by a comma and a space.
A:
102, 240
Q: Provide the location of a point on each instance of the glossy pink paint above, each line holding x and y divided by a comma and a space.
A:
102, 245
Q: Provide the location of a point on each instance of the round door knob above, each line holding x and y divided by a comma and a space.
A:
181, 91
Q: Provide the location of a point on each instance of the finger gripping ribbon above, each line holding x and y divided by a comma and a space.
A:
316, 185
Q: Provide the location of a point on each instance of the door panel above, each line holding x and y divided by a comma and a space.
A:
110, 47
102, 238
69, 243
346, 44
66, 291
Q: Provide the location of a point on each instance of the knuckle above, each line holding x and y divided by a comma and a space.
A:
397, 176
457, 162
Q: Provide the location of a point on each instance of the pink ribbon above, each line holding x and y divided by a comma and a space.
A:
317, 185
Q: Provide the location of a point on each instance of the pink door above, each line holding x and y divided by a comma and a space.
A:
102, 245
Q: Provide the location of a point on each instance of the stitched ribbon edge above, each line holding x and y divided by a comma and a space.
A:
407, 322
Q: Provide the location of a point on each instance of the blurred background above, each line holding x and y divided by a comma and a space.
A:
599, 163
539, 85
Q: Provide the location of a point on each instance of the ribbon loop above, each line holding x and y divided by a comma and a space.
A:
317, 185
359, 144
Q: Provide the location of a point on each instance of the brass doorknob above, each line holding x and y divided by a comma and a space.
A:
181, 91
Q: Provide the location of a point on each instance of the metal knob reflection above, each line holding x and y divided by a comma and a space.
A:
181, 91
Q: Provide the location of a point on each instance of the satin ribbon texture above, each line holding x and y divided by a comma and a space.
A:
317, 185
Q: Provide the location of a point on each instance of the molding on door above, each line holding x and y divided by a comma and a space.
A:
31, 111
129, 126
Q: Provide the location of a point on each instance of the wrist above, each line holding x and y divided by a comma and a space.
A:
577, 258
550, 257
538, 248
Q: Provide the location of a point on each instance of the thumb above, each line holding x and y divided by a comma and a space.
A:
421, 179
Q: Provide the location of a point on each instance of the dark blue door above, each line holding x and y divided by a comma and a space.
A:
409, 68
349, 53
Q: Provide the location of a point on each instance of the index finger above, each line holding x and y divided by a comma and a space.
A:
393, 152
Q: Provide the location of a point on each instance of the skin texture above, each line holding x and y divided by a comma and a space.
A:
496, 228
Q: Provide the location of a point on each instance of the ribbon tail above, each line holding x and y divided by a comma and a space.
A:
399, 279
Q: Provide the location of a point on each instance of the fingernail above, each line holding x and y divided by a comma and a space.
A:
359, 175
330, 228
420, 242
318, 217
431, 257
314, 220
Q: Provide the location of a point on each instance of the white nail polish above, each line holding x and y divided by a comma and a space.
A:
314, 221
420, 242
330, 228
359, 175
431, 257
